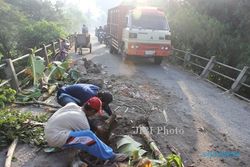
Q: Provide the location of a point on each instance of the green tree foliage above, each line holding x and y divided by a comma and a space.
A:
41, 32
29, 23
22, 27
226, 24
194, 31
10, 22
210, 28
37, 10
235, 16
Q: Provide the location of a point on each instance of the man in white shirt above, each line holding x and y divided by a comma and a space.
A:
69, 127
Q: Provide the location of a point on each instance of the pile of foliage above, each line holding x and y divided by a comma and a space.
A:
140, 158
15, 124
7, 95
42, 79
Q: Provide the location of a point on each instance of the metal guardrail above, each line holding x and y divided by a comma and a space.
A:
2, 65
9, 68
237, 83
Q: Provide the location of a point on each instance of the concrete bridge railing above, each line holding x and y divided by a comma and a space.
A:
228, 78
12, 76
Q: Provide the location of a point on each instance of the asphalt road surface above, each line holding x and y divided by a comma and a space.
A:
199, 99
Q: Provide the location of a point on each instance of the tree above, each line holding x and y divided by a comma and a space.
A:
22, 25
41, 32
10, 22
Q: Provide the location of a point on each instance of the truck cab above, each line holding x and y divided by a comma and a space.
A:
144, 33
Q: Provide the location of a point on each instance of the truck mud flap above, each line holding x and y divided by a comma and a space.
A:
115, 44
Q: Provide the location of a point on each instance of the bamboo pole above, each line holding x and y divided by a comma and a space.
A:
10, 153
144, 132
38, 103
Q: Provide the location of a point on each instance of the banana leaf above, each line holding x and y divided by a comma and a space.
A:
37, 67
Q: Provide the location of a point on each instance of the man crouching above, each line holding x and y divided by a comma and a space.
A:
69, 128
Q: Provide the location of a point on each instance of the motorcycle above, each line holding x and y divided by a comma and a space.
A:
101, 37
107, 40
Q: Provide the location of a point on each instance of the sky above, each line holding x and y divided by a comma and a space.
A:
96, 9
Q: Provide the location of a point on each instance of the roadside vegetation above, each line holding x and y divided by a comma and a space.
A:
211, 28
29, 23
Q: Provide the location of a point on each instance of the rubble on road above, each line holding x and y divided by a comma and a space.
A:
137, 102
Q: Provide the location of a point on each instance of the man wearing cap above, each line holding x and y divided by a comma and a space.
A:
80, 93
68, 127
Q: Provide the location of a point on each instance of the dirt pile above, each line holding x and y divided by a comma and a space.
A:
139, 101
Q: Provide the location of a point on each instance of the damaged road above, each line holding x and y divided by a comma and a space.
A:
180, 102
181, 112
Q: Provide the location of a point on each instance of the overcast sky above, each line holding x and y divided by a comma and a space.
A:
97, 9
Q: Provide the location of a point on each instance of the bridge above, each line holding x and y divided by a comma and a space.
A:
193, 98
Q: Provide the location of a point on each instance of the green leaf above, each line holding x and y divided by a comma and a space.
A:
57, 72
29, 95
37, 66
127, 140
173, 158
74, 74
130, 147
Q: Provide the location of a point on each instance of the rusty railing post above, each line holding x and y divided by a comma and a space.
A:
53, 49
187, 58
10, 72
240, 79
208, 67
46, 58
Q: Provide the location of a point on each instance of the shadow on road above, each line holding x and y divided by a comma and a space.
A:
197, 107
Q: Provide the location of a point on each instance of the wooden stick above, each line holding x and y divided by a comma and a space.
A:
135, 106
10, 153
34, 123
46, 95
110, 121
37, 102
144, 132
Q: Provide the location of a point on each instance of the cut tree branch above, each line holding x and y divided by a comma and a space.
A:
152, 144
127, 105
37, 103
10, 153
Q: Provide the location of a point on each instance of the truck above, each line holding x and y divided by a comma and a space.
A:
139, 31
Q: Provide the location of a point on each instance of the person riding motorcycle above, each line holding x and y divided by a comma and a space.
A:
100, 34
84, 29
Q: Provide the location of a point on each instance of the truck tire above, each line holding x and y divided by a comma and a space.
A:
75, 48
111, 49
158, 60
90, 48
80, 50
124, 57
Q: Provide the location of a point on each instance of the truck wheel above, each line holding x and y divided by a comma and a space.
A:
124, 58
111, 49
90, 48
124, 55
158, 60
80, 50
